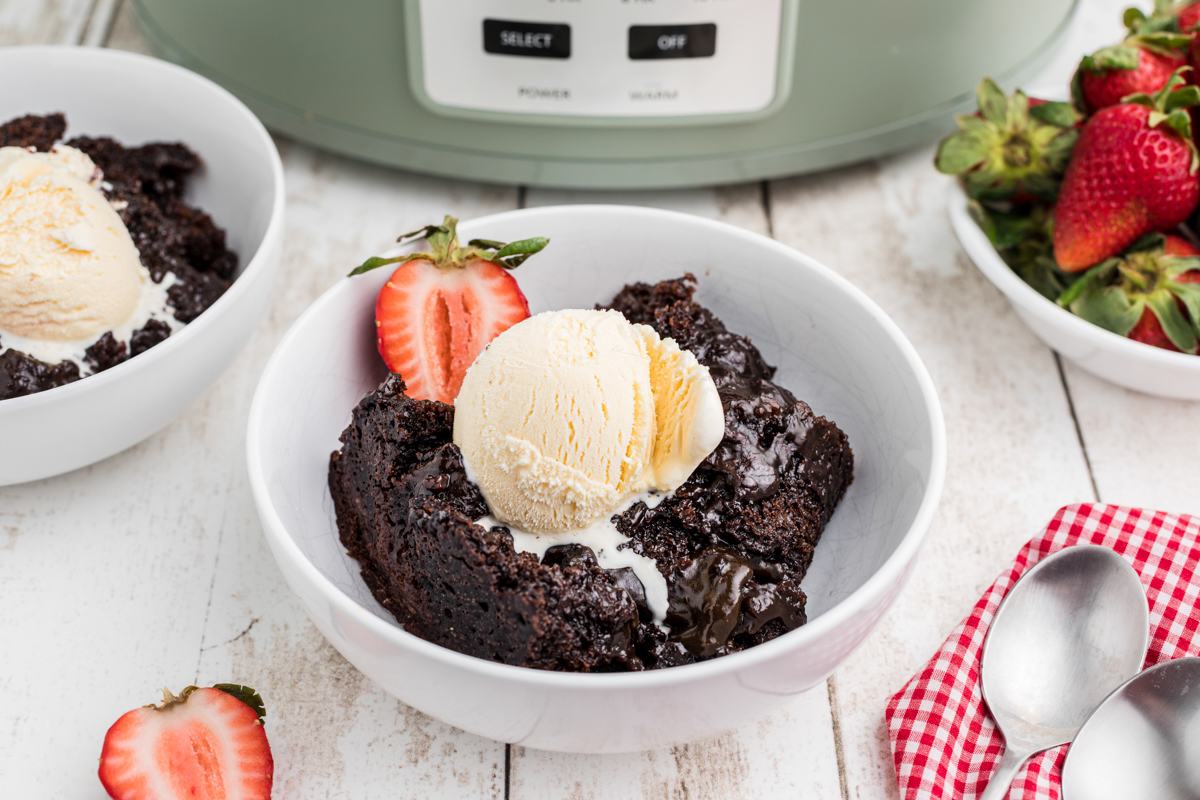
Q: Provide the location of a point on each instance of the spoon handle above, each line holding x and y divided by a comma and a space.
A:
1002, 778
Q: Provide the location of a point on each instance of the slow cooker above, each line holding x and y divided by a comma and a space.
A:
608, 93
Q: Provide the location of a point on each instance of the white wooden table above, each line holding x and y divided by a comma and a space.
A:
149, 569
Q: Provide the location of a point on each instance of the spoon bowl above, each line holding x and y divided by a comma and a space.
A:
1072, 629
1143, 742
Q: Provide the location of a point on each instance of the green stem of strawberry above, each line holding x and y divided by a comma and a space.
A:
243, 693
446, 253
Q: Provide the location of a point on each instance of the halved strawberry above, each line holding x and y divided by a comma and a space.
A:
441, 308
205, 744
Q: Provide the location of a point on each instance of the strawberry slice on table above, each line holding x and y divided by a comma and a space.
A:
1014, 148
440, 308
205, 744
1150, 294
1133, 171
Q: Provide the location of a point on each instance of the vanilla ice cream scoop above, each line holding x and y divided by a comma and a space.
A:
68, 269
568, 414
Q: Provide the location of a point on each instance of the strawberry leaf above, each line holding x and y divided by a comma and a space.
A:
1183, 97
445, 252
1162, 42
1120, 56
1110, 308
960, 151
247, 696
992, 103
1043, 274
1003, 230
514, 254
1094, 276
1139, 99
374, 262
1063, 115
1174, 324
1147, 242
1133, 18
423, 233
1189, 295
1174, 266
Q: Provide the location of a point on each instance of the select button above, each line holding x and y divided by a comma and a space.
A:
672, 41
535, 39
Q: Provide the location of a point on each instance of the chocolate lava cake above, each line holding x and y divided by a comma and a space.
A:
733, 542
146, 185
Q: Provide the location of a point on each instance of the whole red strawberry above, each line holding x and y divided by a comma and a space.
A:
1105, 80
441, 308
1150, 294
205, 744
1143, 62
1133, 171
1188, 18
1148, 329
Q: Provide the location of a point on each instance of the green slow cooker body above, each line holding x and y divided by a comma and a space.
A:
867, 77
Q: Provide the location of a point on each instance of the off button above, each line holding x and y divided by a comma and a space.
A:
672, 41
535, 39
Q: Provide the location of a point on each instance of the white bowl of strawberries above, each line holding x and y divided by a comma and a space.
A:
1118, 359
1079, 212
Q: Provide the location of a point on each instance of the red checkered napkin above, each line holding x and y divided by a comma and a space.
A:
943, 741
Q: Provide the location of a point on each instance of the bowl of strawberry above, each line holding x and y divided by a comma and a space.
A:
1084, 213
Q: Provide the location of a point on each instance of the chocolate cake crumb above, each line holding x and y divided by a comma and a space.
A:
154, 332
21, 375
106, 353
733, 543
147, 184
40, 133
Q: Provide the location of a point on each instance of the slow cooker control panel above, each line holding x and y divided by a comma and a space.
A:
601, 58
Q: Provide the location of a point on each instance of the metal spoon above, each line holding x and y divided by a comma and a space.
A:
1143, 741
1073, 629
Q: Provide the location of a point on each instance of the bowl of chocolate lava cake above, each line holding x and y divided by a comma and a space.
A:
773, 561
141, 225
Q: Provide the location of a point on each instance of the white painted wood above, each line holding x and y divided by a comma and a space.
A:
43, 21
100, 24
789, 754
1143, 449
739, 205
150, 568
1013, 457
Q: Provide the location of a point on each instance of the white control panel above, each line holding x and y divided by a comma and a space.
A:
601, 58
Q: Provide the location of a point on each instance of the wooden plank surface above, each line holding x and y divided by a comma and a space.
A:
150, 567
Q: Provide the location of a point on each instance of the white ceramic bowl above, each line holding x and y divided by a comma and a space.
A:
1103, 353
135, 99
834, 348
